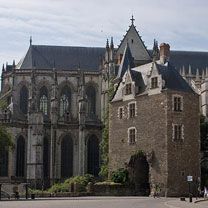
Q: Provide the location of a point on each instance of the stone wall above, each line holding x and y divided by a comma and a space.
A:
171, 161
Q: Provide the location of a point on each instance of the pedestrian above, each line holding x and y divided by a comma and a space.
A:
205, 192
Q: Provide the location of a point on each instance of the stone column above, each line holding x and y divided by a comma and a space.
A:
35, 150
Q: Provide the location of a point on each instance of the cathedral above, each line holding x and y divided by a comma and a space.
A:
56, 98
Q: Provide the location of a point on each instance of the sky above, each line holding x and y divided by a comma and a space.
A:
181, 23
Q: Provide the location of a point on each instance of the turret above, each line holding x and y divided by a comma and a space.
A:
156, 52
107, 50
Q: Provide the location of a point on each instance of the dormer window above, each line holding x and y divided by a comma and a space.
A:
154, 82
128, 89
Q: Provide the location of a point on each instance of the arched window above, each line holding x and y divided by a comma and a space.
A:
3, 162
66, 157
93, 155
24, 99
91, 98
44, 100
65, 100
46, 158
20, 157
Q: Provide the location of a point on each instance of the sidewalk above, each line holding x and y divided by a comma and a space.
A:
186, 204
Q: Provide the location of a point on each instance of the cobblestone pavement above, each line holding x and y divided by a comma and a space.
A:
103, 202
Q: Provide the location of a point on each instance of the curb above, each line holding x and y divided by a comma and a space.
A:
200, 200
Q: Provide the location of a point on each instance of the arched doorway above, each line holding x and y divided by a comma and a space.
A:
93, 155
46, 162
138, 168
3, 162
20, 157
66, 157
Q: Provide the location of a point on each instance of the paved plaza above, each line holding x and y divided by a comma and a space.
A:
103, 202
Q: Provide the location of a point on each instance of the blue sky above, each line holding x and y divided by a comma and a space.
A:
181, 23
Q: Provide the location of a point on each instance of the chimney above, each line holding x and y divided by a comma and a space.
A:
164, 52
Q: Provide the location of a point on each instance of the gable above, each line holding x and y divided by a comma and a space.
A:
136, 45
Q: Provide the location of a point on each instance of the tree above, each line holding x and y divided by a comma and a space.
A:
5, 139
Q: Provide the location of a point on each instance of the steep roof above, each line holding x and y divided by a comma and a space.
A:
126, 62
173, 80
62, 57
138, 49
196, 59
69, 58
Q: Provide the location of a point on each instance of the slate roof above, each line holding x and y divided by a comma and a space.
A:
62, 57
195, 59
173, 80
69, 58
126, 62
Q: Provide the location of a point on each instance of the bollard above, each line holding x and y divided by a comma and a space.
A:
26, 191
190, 198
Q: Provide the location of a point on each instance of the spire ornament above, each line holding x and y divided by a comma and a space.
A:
132, 19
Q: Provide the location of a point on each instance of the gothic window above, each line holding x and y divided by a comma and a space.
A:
132, 110
66, 157
128, 89
46, 158
20, 157
132, 136
154, 82
177, 103
24, 99
178, 132
91, 98
3, 162
44, 100
65, 101
93, 155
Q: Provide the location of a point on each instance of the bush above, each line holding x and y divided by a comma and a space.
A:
82, 182
120, 176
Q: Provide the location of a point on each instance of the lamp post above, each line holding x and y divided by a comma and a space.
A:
190, 179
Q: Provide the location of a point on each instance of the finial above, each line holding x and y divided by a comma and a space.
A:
111, 44
189, 73
156, 52
183, 71
3, 69
197, 75
13, 63
132, 19
30, 40
107, 43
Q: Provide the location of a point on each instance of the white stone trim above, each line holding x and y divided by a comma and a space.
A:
128, 109
128, 133
177, 96
118, 113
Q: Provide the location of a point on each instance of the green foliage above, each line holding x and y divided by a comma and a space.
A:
3, 104
120, 176
105, 137
5, 139
82, 182
140, 153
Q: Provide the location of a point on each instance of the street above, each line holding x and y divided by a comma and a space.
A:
103, 202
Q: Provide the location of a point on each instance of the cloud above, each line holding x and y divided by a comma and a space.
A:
89, 23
